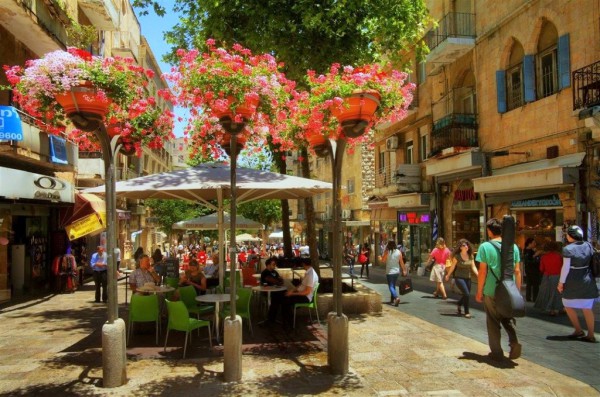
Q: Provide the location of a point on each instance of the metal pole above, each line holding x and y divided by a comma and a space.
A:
109, 150
233, 214
337, 156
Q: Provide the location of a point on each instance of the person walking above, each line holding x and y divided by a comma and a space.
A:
489, 260
350, 256
439, 255
99, 265
365, 259
551, 262
393, 262
531, 264
577, 285
462, 264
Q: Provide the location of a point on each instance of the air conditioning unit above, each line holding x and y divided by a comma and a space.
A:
391, 144
346, 214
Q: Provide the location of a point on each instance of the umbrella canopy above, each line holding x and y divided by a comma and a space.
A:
246, 237
276, 235
89, 216
211, 222
211, 181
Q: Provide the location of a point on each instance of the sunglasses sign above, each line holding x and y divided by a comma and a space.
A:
10, 124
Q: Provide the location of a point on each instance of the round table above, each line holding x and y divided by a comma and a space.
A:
268, 289
216, 299
156, 289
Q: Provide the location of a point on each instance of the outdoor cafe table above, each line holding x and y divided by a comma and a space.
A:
268, 289
156, 289
216, 299
126, 272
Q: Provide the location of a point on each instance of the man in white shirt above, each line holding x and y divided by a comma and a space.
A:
301, 294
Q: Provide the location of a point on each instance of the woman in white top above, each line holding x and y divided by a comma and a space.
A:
393, 262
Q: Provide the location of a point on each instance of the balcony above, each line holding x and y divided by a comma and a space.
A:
586, 87
397, 179
104, 14
454, 131
39, 25
125, 44
451, 39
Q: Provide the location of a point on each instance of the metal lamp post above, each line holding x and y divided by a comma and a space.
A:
114, 358
232, 345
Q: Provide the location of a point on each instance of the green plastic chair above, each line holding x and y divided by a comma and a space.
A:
172, 282
179, 320
143, 309
188, 295
238, 279
242, 306
310, 305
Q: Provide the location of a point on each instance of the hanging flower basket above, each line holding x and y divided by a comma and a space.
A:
356, 111
83, 99
246, 110
226, 143
318, 143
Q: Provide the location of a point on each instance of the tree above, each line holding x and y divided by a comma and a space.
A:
169, 212
304, 34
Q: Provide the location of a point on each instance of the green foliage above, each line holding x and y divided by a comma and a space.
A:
304, 34
81, 36
266, 212
169, 212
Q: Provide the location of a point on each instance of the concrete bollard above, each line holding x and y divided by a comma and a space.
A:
232, 349
114, 356
337, 343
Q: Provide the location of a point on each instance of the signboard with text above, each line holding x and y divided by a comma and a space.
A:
10, 124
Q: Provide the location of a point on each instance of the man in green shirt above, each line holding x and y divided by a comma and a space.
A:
488, 257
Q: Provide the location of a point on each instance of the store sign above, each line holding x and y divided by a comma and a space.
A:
58, 150
10, 124
89, 225
414, 218
546, 201
28, 185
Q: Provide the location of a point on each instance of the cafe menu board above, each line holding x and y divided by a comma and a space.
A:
171, 267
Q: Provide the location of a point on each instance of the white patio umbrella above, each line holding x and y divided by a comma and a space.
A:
211, 181
211, 222
246, 237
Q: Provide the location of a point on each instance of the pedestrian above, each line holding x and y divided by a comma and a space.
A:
577, 285
440, 255
393, 262
533, 276
99, 265
350, 256
462, 265
551, 262
365, 259
137, 255
488, 257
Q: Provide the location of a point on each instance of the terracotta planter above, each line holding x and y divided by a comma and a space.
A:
246, 110
318, 143
356, 112
83, 99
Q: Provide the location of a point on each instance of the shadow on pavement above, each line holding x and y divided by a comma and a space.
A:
503, 363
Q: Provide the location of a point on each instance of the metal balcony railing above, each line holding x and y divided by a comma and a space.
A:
454, 24
586, 86
454, 130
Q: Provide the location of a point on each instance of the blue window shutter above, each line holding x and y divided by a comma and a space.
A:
529, 78
501, 90
564, 62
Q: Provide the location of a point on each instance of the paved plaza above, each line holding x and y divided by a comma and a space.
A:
52, 346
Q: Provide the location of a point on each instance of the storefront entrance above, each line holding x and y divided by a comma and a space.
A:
415, 236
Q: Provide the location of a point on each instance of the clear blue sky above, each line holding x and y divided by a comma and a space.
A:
153, 28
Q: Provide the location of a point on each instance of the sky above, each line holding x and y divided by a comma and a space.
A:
153, 28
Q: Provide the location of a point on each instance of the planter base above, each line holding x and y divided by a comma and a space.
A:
86, 121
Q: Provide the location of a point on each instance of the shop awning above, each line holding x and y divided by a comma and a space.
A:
532, 179
409, 200
89, 216
356, 223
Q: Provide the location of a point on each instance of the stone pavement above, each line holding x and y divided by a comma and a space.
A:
51, 346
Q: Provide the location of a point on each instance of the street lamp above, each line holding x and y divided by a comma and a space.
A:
114, 358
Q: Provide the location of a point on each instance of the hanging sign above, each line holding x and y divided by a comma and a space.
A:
10, 124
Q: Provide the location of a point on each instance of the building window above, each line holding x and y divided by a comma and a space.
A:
381, 162
547, 80
514, 87
409, 153
422, 75
350, 185
423, 148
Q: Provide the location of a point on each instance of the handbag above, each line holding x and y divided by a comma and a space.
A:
362, 259
429, 265
405, 286
595, 262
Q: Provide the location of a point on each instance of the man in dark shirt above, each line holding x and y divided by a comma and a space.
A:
270, 276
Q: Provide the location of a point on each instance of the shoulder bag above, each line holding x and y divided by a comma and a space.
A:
405, 286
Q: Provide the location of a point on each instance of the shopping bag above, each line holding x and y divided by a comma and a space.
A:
405, 286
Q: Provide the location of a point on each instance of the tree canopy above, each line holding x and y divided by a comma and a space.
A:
304, 34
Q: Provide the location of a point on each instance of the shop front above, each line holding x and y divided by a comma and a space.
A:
383, 226
30, 211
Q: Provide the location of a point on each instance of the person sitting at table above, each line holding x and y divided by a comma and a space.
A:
142, 275
194, 276
303, 293
211, 271
270, 277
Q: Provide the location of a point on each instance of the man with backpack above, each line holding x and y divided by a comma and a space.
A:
489, 260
